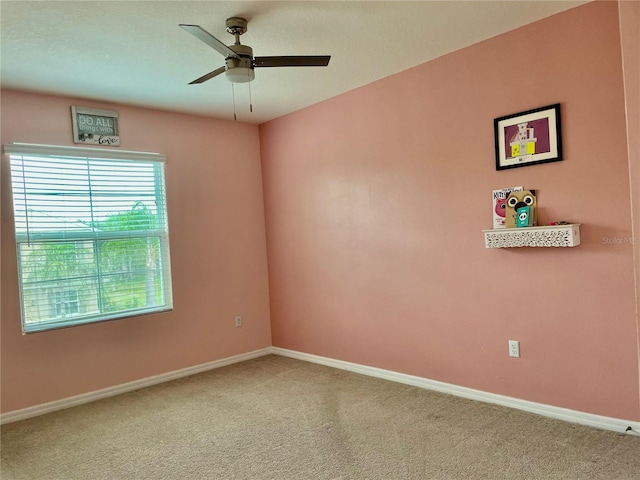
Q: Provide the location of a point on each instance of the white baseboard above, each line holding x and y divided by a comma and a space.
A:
41, 409
572, 416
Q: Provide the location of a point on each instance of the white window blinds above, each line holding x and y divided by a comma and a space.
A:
91, 233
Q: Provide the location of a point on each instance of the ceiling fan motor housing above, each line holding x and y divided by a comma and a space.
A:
240, 69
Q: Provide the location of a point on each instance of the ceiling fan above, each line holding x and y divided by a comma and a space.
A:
239, 60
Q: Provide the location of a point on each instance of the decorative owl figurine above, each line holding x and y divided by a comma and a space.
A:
515, 200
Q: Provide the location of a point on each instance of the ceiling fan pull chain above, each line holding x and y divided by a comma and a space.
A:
250, 101
233, 94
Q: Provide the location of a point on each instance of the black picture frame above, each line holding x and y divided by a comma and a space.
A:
528, 138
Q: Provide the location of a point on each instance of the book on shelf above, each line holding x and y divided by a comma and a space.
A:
499, 200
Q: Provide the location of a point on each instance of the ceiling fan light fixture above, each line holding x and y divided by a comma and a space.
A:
240, 74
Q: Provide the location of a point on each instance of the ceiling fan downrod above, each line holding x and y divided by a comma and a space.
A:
236, 26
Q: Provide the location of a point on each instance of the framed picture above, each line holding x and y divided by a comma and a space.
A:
95, 126
528, 138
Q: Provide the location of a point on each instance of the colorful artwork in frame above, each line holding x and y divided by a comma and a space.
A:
528, 138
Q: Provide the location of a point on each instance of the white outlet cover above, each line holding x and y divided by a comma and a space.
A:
514, 348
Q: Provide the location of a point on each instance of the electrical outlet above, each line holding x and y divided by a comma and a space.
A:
238, 320
514, 348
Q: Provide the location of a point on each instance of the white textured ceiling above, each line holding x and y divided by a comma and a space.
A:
133, 52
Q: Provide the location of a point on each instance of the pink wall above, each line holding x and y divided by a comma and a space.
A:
630, 42
219, 266
375, 201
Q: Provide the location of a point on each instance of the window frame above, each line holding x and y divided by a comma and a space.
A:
97, 237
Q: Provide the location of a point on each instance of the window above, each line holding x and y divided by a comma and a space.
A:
91, 234
66, 303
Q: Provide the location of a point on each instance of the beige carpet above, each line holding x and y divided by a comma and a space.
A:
279, 418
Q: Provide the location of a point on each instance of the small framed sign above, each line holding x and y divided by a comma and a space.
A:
95, 127
528, 138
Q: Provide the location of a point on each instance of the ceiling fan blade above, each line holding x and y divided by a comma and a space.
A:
208, 76
200, 33
293, 61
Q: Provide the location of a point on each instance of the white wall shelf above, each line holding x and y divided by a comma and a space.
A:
547, 236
